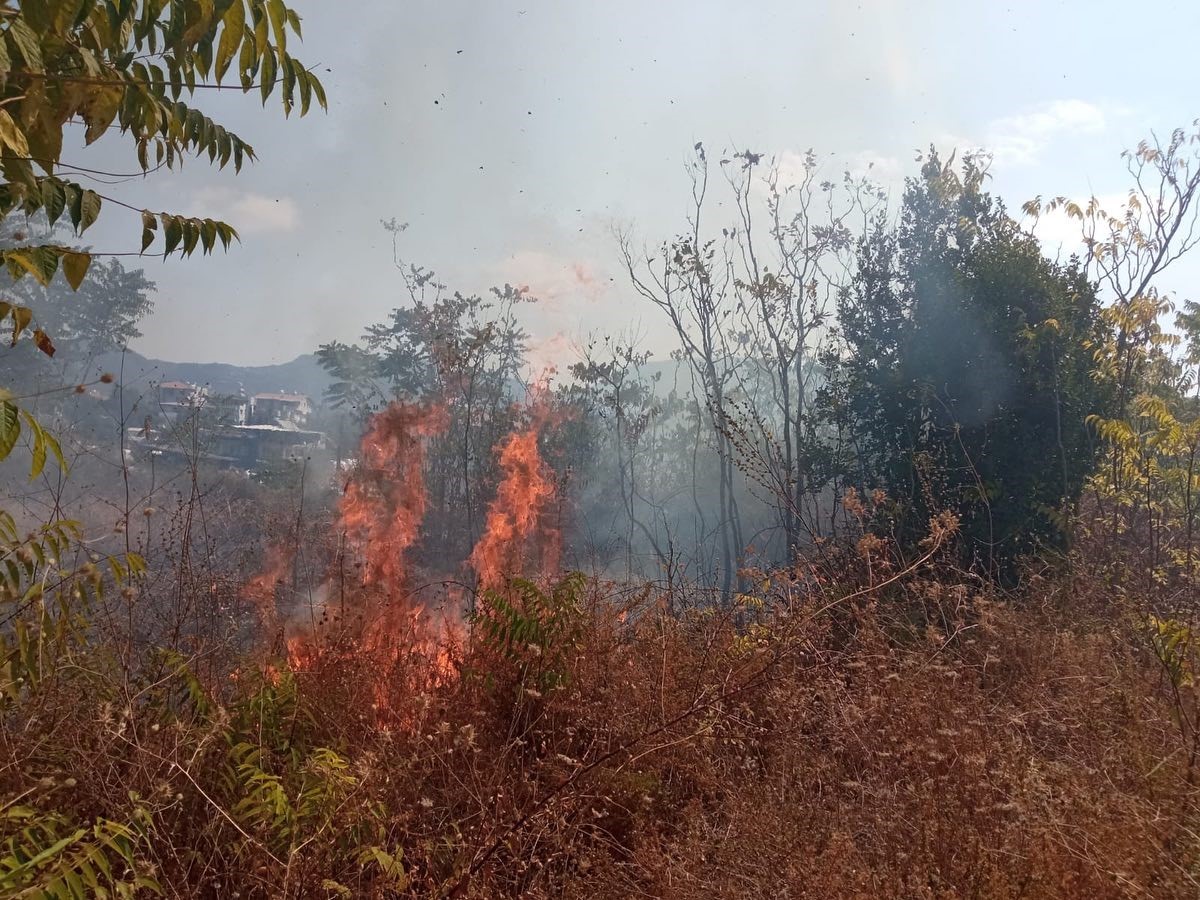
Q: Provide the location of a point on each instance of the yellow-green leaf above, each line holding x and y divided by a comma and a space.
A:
75, 264
278, 15
40, 262
89, 209
12, 136
39, 445
10, 427
27, 44
21, 316
56, 449
233, 30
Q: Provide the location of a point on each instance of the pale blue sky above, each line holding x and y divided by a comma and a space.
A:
559, 118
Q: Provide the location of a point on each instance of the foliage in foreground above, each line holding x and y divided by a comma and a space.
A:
887, 734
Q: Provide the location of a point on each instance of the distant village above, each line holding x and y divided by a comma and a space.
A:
231, 430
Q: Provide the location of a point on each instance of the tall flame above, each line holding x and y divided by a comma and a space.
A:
518, 523
381, 512
406, 637
384, 505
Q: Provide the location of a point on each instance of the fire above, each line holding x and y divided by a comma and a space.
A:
518, 520
386, 626
302, 652
260, 590
380, 513
384, 505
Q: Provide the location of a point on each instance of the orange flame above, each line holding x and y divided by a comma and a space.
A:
260, 590
409, 643
518, 520
384, 506
381, 512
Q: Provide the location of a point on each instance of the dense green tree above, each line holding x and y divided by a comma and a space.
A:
967, 368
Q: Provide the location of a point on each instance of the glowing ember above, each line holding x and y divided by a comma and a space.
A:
302, 652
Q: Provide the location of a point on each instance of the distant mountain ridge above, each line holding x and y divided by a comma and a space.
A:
302, 375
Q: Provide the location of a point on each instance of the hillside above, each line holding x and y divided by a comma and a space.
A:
302, 375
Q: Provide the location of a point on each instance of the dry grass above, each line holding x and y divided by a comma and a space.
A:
782, 750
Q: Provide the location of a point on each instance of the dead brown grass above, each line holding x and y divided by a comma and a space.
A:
780, 749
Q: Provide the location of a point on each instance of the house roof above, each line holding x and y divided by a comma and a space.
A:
286, 398
276, 429
177, 385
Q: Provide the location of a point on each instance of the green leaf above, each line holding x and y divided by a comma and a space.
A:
266, 77
208, 235
191, 236
289, 83
173, 229
75, 883
304, 80
72, 197
228, 234
53, 851
54, 198
149, 227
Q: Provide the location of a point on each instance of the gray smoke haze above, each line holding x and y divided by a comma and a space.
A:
513, 135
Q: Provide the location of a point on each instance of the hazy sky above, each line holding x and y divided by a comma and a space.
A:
511, 136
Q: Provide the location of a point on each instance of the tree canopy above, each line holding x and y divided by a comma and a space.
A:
969, 363
133, 66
